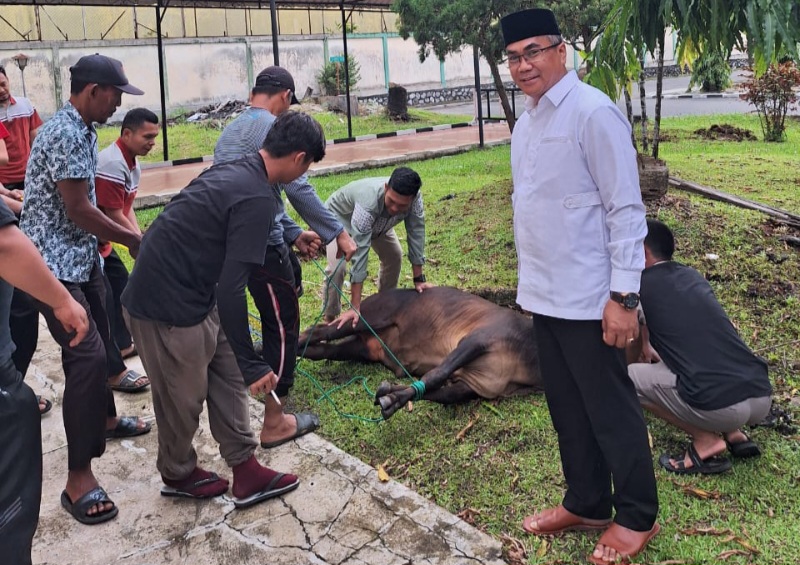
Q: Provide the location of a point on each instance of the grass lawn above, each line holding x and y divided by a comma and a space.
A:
507, 464
198, 139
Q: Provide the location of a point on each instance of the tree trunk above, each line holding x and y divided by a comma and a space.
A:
511, 119
643, 101
629, 112
397, 104
659, 88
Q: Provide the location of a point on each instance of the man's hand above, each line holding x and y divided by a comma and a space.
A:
134, 249
308, 243
347, 247
74, 319
620, 326
16, 194
419, 287
265, 384
351, 316
648, 354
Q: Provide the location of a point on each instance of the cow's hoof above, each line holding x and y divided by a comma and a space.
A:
383, 389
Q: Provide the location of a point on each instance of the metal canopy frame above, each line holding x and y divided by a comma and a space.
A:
161, 7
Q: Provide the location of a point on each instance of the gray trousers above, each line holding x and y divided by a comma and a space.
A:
188, 366
390, 254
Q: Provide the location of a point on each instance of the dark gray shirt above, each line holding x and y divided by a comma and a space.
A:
200, 252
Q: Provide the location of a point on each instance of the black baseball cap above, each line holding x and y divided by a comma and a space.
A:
99, 69
277, 77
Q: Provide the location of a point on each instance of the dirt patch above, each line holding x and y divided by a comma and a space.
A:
505, 297
725, 132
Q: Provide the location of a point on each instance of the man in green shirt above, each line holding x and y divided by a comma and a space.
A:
369, 209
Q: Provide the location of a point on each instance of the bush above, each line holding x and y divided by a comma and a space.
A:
332, 77
773, 94
711, 71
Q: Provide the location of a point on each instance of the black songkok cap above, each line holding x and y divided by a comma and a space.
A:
528, 23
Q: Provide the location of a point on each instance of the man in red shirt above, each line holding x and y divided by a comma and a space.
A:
21, 120
116, 184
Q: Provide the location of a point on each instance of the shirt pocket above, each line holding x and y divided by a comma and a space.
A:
584, 218
554, 139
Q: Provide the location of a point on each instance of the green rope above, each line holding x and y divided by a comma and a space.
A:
419, 389
326, 394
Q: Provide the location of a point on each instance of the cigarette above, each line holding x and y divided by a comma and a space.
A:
275, 396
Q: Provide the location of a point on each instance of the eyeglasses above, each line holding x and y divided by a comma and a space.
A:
530, 55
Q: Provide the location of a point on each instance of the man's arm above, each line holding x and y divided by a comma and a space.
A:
89, 218
305, 200
37, 280
3, 152
415, 232
117, 215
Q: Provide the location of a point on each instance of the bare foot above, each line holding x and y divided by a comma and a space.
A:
140, 382
111, 423
279, 428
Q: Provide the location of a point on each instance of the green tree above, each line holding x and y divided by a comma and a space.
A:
580, 21
447, 27
765, 28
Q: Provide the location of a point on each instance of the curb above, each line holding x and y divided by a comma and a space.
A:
688, 95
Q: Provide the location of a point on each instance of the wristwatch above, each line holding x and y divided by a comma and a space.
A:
419, 279
629, 300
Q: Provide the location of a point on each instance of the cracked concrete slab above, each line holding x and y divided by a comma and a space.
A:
340, 515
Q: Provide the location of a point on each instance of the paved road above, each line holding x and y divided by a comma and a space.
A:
669, 106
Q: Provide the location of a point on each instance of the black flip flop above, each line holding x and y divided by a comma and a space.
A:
185, 491
709, 466
47, 405
743, 449
127, 426
80, 507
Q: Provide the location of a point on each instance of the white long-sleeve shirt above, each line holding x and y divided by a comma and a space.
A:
579, 221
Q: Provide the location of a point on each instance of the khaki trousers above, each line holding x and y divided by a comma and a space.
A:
188, 366
387, 247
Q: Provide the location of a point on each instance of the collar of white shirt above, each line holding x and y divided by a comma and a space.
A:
557, 92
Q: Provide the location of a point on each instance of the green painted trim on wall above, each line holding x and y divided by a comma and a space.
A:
325, 51
385, 43
249, 63
442, 76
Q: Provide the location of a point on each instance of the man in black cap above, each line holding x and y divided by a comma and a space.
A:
277, 284
61, 217
579, 224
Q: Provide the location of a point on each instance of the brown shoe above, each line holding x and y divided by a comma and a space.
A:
626, 542
557, 520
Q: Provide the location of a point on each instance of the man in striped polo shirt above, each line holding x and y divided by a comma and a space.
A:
116, 183
22, 121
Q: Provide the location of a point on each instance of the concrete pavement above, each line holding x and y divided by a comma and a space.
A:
341, 514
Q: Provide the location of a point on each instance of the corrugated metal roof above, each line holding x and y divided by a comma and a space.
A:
264, 4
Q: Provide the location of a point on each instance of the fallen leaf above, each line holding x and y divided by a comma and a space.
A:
410, 406
706, 532
383, 476
671, 562
701, 494
650, 439
543, 547
746, 545
730, 553
460, 435
770, 512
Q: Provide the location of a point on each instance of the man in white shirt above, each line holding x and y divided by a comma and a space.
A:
579, 224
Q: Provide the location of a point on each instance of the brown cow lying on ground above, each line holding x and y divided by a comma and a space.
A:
461, 346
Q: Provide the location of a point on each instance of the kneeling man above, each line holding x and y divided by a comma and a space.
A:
705, 380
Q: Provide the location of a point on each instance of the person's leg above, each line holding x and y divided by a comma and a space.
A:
615, 418
390, 254
273, 289
20, 466
24, 324
118, 372
117, 275
86, 394
656, 389
176, 360
334, 283
229, 418
587, 475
